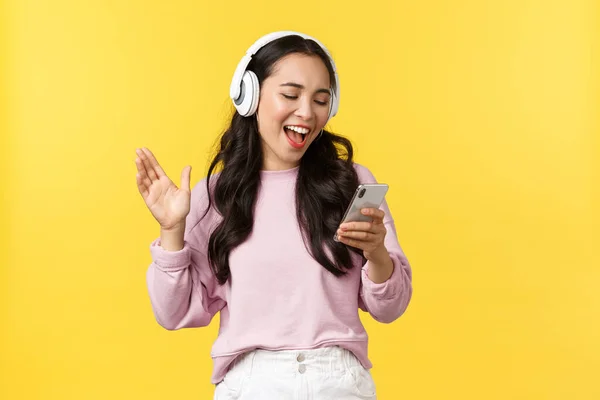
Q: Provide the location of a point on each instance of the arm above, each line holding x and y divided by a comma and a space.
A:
386, 279
182, 288
386, 301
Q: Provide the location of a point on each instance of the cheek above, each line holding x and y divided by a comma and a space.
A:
322, 114
274, 110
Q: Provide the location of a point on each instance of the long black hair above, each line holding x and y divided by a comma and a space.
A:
325, 184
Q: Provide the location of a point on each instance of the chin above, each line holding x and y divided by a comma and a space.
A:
292, 159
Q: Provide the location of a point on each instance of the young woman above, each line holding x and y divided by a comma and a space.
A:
253, 241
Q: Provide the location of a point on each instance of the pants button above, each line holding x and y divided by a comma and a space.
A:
300, 357
302, 368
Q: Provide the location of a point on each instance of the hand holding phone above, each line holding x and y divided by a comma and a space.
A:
367, 195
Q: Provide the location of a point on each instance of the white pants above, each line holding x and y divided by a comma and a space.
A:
319, 374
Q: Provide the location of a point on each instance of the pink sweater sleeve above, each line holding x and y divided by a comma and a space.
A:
182, 288
386, 301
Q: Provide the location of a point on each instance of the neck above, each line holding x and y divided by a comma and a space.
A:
271, 165
279, 173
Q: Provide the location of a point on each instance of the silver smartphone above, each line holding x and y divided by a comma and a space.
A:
367, 195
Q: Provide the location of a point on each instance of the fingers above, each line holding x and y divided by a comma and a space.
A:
365, 241
149, 170
185, 178
143, 188
153, 170
365, 245
358, 235
142, 178
146, 172
146, 164
364, 235
154, 163
376, 213
367, 232
358, 226
372, 227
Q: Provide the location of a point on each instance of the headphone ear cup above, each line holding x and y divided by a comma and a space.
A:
247, 103
333, 105
255, 92
335, 98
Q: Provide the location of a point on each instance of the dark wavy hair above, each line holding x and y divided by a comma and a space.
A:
324, 187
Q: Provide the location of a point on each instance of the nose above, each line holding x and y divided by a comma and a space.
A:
305, 108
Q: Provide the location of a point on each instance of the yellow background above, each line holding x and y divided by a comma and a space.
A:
481, 115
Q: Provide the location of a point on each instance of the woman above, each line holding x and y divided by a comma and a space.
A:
254, 241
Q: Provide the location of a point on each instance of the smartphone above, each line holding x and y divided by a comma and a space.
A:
367, 195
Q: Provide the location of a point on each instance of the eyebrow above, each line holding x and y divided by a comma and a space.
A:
299, 86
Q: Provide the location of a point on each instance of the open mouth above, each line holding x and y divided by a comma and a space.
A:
296, 135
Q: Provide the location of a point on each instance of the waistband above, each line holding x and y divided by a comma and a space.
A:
332, 360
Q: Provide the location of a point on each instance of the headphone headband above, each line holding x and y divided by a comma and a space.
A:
235, 89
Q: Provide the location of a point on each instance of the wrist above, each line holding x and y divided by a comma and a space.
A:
381, 265
171, 239
176, 228
380, 256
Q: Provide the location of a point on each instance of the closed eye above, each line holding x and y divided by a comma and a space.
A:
287, 96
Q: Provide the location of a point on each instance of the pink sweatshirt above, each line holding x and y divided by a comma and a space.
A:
278, 297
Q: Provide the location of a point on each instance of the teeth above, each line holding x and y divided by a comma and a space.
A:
303, 131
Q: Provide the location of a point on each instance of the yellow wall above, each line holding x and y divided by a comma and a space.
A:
481, 115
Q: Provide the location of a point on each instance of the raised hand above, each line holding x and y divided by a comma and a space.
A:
168, 204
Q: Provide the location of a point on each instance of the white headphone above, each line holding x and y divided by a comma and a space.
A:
244, 89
